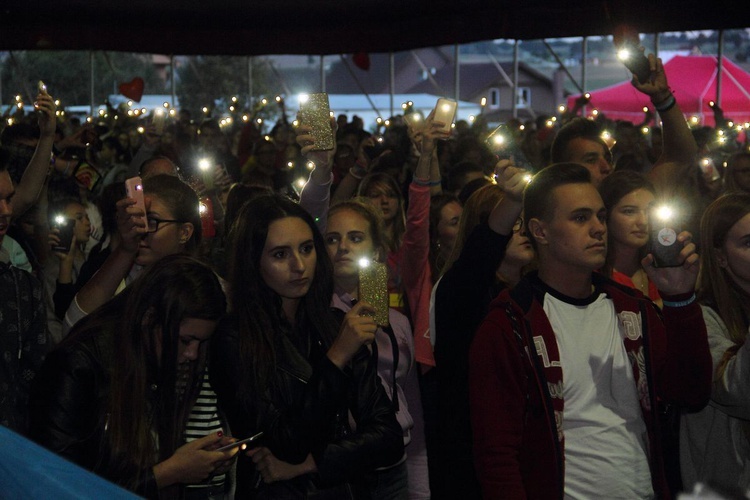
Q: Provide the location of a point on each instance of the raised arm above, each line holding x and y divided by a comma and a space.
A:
315, 196
31, 183
679, 152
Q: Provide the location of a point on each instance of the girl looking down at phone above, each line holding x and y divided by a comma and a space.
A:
114, 397
279, 366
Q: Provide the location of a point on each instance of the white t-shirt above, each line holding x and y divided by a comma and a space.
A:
605, 435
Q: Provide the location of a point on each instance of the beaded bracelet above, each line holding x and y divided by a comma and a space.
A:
682, 303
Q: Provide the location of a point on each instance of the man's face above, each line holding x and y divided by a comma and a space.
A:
592, 155
575, 236
6, 206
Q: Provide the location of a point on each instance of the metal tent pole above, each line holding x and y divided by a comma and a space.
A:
172, 78
250, 82
392, 80
514, 95
720, 68
456, 74
322, 73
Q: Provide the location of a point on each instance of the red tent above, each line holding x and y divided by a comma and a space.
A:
693, 80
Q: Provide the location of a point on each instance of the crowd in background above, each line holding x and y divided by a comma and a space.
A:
230, 303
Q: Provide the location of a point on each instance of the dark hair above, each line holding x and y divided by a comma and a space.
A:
730, 183
146, 163
4, 159
472, 187
181, 200
144, 324
538, 202
238, 196
574, 129
107, 204
458, 172
614, 188
261, 320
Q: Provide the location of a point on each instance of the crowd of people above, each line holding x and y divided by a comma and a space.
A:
538, 332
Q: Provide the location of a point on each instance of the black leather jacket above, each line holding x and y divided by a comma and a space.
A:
305, 410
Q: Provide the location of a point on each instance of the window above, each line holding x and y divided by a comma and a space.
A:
494, 101
523, 97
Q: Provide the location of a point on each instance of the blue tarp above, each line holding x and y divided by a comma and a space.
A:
29, 471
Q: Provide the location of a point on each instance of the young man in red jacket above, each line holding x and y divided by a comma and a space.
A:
569, 370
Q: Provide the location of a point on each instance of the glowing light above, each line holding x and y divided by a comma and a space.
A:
295, 123
645, 109
720, 132
694, 120
229, 120
483, 102
57, 102
245, 118
410, 103
231, 108
364, 262
623, 54
89, 119
498, 140
278, 98
101, 112
522, 127
172, 112
144, 110
136, 112
59, 220
18, 98
664, 212
711, 104
645, 130
19, 105
202, 208
387, 123
290, 164
264, 101
730, 124
527, 178
205, 110
141, 130
130, 104
453, 125
595, 112
378, 120
300, 183
259, 121
204, 164
472, 118
561, 108
267, 137
10, 121
587, 95
303, 98
554, 118
310, 165
165, 104
234, 98
722, 140
446, 107
550, 124
404, 106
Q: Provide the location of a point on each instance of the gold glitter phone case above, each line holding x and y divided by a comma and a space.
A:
373, 289
316, 113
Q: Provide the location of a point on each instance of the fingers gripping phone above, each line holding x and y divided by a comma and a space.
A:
445, 112
134, 189
65, 226
635, 60
664, 245
242, 444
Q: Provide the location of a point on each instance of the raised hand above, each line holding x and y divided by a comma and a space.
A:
357, 330
511, 179
675, 280
194, 462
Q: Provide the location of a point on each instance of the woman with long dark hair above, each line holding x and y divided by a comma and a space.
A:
115, 396
280, 368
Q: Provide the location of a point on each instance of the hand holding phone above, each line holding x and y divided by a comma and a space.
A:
134, 190
445, 113
65, 227
664, 245
242, 444
635, 60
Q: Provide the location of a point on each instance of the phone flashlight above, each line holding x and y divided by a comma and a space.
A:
59, 219
664, 245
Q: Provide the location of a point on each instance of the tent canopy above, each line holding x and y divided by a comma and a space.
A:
693, 80
334, 26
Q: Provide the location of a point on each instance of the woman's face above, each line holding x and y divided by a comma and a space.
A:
287, 264
628, 220
169, 238
519, 251
348, 239
194, 333
447, 229
734, 256
82, 228
382, 197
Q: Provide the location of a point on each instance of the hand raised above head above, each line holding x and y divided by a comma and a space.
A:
305, 139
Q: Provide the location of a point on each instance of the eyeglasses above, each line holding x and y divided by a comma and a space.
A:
152, 223
518, 225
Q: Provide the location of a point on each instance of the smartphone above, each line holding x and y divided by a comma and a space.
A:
87, 175
708, 167
635, 60
42, 87
208, 226
414, 120
377, 149
502, 143
134, 189
445, 112
159, 119
315, 112
373, 288
664, 245
242, 443
66, 226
